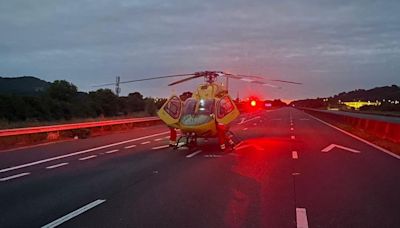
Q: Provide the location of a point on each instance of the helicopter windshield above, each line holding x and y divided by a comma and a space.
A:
189, 107
206, 107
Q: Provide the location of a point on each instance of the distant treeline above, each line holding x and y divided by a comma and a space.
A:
62, 101
388, 96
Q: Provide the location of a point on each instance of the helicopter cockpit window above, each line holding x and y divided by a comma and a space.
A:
225, 107
189, 108
206, 107
173, 107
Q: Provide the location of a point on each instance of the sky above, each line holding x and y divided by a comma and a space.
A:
329, 46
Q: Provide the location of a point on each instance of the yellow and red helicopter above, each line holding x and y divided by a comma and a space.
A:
208, 112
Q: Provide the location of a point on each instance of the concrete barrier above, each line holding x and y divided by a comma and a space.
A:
381, 129
32, 135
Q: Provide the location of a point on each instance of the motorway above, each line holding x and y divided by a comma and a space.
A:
290, 170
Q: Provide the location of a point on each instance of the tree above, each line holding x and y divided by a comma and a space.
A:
135, 102
62, 90
105, 102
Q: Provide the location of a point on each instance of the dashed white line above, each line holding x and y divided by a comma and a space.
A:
295, 155
160, 147
14, 176
301, 218
129, 147
79, 152
88, 157
111, 151
292, 129
292, 137
159, 139
193, 154
245, 129
74, 214
57, 165
147, 142
212, 155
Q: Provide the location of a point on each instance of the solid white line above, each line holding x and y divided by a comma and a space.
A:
57, 165
129, 147
74, 214
160, 147
292, 137
79, 152
147, 142
295, 155
356, 137
14, 176
193, 154
88, 157
301, 218
111, 151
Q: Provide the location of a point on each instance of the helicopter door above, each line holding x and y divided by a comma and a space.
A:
226, 110
171, 111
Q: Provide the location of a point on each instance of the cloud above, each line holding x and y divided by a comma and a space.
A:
316, 42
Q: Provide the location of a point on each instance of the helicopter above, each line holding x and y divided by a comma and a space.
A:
208, 113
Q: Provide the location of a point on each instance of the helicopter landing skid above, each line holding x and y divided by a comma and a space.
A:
189, 141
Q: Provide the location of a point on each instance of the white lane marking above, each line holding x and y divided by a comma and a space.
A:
245, 129
159, 139
111, 151
129, 147
14, 176
166, 137
160, 147
330, 147
304, 119
193, 154
257, 117
74, 214
79, 152
57, 165
254, 124
147, 142
356, 137
88, 157
291, 129
301, 218
241, 121
295, 155
212, 155
292, 137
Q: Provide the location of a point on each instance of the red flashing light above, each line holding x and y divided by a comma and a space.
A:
253, 103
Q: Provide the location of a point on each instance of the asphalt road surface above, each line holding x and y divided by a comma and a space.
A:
290, 170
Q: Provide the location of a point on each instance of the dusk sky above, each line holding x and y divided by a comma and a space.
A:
330, 46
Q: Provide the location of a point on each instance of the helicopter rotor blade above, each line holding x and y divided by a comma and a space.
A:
290, 82
146, 79
237, 76
185, 79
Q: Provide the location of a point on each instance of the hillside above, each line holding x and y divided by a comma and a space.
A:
25, 85
386, 95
